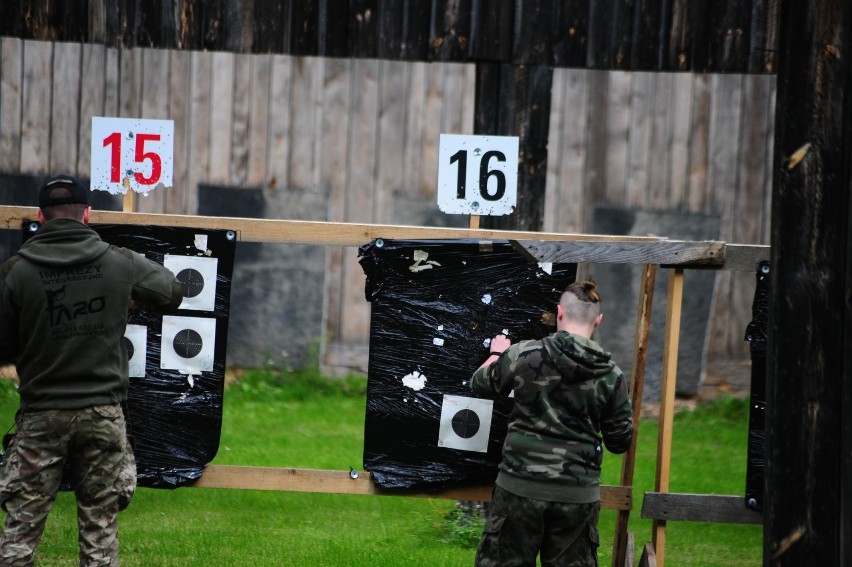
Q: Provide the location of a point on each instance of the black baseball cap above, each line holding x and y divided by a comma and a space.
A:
75, 192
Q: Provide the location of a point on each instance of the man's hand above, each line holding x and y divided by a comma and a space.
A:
500, 343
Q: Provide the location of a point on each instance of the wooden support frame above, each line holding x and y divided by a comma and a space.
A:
622, 546
542, 247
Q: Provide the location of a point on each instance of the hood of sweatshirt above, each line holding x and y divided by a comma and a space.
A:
63, 242
578, 358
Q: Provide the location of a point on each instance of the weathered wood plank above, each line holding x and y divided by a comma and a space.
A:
271, 27
622, 542
278, 153
617, 135
674, 301
11, 102
699, 147
221, 117
304, 27
356, 483
660, 142
198, 153
568, 184
180, 92
241, 134
491, 23
92, 97
305, 114
648, 41
363, 26
257, 129
450, 30
390, 172
570, 33
336, 94
678, 162
35, 123
534, 21
639, 165
698, 508
64, 110
668, 252
680, 33
310, 232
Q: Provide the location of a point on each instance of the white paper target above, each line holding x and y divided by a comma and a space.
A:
465, 423
187, 344
136, 343
197, 277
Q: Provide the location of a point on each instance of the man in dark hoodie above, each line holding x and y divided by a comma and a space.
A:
63, 311
570, 398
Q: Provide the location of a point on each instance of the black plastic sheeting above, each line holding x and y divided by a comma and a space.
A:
435, 306
175, 418
756, 335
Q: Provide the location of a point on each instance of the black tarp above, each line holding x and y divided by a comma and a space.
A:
435, 305
174, 407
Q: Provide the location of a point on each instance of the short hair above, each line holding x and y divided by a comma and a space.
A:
581, 302
66, 210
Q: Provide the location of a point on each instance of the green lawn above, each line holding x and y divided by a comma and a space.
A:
284, 421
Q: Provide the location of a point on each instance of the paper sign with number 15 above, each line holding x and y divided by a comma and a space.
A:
132, 154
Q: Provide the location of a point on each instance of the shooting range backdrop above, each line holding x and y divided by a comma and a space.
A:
176, 361
435, 305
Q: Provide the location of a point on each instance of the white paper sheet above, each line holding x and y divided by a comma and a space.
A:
138, 337
465, 423
198, 278
187, 344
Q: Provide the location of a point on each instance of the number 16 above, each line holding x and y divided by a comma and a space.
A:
484, 175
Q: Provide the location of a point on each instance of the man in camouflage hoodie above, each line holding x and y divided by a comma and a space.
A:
570, 399
63, 312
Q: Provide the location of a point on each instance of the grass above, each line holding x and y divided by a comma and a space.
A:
282, 419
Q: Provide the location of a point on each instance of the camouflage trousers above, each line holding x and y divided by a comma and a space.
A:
517, 529
90, 446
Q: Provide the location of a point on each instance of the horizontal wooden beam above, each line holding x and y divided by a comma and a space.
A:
343, 482
698, 508
537, 246
307, 232
673, 252
681, 253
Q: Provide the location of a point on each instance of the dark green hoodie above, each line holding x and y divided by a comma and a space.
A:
63, 313
570, 399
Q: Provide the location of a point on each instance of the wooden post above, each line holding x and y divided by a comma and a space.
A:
640, 355
667, 396
808, 504
128, 203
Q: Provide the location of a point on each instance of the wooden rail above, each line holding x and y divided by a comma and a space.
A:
698, 508
309, 232
352, 482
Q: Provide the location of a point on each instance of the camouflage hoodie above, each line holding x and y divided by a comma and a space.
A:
570, 398
63, 313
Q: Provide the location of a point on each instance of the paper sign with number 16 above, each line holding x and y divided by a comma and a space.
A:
477, 175
132, 154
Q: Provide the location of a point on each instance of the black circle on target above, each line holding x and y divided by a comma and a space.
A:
187, 343
128, 346
466, 423
191, 281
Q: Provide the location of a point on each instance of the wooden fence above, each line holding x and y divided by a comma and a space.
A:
361, 137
